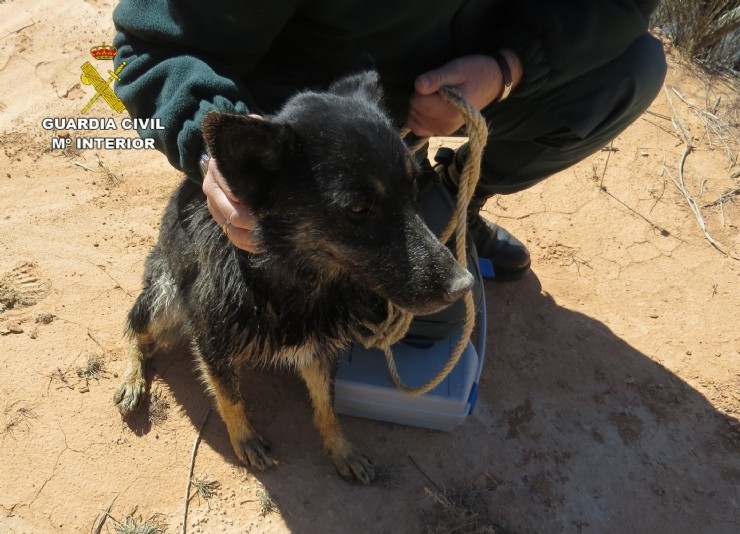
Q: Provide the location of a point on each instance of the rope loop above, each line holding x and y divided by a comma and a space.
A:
384, 335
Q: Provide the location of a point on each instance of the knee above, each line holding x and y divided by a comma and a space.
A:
647, 66
619, 92
627, 86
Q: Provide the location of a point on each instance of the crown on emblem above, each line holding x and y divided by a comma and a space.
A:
103, 52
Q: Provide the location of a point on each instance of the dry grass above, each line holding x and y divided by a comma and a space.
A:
461, 511
707, 31
267, 505
109, 174
205, 488
158, 408
14, 416
111, 177
713, 124
94, 367
133, 525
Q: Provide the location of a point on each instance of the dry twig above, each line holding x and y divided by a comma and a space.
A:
714, 124
423, 473
190, 473
681, 183
724, 197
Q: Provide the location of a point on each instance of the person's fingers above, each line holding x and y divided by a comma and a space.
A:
241, 238
235, 218
432, 81
477, 77
431, 115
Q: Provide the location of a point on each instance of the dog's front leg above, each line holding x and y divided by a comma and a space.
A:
249, 446
133, 386
350, 463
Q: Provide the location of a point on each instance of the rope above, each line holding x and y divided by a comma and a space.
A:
397, 323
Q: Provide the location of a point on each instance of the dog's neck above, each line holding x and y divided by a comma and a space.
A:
297, 304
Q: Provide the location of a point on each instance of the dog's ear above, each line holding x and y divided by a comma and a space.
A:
247, 148
366, 84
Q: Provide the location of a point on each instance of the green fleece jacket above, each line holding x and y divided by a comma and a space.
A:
188, 57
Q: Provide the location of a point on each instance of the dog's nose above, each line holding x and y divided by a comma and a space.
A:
461, 283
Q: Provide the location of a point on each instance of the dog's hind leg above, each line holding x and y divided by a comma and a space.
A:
250, 448
350, 463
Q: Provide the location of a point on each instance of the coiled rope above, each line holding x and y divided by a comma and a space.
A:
397, 323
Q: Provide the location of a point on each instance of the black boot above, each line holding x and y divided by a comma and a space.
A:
509, 257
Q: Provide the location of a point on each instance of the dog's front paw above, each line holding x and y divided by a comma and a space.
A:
253, 452
129, 394
355, 466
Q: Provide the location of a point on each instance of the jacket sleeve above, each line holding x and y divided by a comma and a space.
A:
185, 58
558, 41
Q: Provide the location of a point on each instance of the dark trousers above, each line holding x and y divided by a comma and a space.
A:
534, 137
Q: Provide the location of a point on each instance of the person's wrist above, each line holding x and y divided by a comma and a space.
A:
511, 71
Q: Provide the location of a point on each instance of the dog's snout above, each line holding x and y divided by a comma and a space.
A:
460, 284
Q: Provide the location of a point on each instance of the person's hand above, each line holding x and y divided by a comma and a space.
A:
234, 217
479, 80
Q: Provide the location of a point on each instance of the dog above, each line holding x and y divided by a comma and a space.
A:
332, 187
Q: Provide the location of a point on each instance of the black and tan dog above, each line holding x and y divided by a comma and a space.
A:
332, 187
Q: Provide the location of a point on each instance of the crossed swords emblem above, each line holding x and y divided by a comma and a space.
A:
102, 87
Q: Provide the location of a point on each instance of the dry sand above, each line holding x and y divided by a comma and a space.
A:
609, 399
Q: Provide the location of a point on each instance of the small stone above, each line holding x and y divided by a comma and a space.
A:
14, 327
44, 318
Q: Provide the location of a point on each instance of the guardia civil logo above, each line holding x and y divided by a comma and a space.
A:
90, 76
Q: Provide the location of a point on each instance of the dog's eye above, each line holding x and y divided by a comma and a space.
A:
359, 209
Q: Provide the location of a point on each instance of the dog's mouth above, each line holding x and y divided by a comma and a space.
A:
419, 302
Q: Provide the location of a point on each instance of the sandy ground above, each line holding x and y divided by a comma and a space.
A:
609, 399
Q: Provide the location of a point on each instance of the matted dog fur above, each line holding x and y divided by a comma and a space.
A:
332, 189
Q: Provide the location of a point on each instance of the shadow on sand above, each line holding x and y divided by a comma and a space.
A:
575, 430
